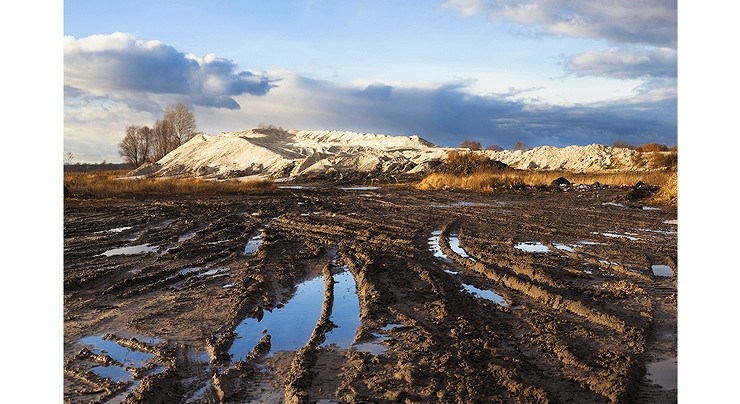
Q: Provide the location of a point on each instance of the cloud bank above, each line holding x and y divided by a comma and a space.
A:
647, 22
129, 69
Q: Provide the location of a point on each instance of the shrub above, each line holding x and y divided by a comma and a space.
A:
470, 144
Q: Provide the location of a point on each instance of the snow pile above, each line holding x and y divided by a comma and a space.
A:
593, 157
291, 154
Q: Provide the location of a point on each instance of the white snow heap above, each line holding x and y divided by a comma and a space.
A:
289, 154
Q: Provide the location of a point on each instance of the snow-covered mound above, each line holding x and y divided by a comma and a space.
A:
292, 154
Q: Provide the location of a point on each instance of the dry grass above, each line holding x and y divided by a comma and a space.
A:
109, 183
485, 181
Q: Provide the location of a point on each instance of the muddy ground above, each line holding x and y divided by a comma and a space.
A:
586, 321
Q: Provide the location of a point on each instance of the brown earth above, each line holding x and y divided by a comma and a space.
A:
583, 322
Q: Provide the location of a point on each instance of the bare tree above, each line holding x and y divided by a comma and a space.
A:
181, 122
495, 147
136, 146
68, 157
519, 145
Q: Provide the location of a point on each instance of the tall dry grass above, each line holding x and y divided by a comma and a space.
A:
485, 181
110, 183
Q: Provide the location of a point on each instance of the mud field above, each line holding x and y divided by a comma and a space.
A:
322, 294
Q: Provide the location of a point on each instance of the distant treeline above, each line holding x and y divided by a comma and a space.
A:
92, 167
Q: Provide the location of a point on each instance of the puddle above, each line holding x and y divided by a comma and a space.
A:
345, 312
377, 346
615, 235
455, 246
447, 271
664, 232
649, 208
188, 270
485, 294
295, 187
120, 353
134, 249
434, 246
119, 229
674, 221
228, 285
254, 243
662, 270
532, 247
290, 326
564, 247
186, 236
664, 373
115, 373
621, 205
587, 242
214, 272
359, 188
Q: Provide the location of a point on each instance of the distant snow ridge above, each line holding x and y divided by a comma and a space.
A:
290, 154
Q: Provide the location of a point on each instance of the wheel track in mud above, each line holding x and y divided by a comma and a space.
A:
570, 344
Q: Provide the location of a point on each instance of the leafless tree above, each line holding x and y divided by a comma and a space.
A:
68, 157
181, 122
495, 147
519, 145
136, 146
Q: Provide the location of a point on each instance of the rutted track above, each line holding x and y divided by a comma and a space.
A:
581, 324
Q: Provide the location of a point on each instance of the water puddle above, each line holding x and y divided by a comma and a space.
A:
564, 247
214, 272
186, 236
254, 243
663, 232
434, 246
649, 208
227, 286
120, 353
295, 187
115, 373
130, 250
119, 229
615, 235
448, 272
485, 294
532, 247
662, 270
289, 326
455, 246
621, 205
345, 312
587, 242
664, 373
377, 346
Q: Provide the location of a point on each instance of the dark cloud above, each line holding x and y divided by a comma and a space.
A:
649, 22
448, 114
125, 67
626, 63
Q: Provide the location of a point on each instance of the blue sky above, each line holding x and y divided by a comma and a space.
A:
556, 72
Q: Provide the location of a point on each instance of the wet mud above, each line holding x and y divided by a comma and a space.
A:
416, 297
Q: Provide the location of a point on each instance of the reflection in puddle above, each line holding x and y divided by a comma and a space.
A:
186, 236
345, 312
120, 353
434, 246
214, 272
664, 373
447, 271
254, 243
455, 246
290, 326
485, 294
662, 270
295, 187
532, 247
134, 249
564, 247
119, 229
377, 347
115, 373
621, 205
649, 208
615, 235
587, 242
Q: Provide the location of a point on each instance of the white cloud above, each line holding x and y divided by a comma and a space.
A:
626, 63
651, 22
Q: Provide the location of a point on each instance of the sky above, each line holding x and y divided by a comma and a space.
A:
557, 72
